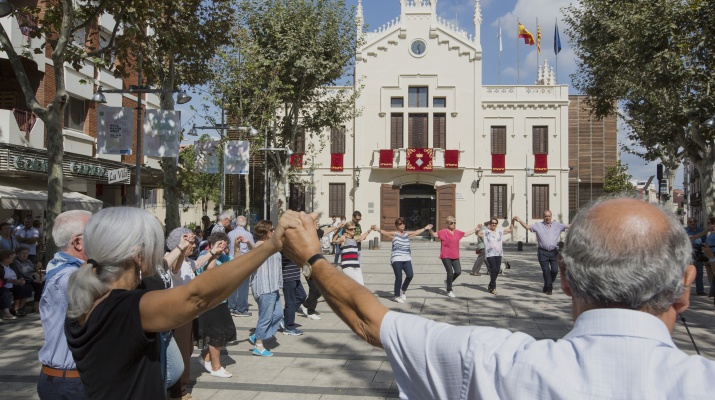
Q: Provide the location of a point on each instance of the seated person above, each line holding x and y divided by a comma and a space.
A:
29, 271
15, 283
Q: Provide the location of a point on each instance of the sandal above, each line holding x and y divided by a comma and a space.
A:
221, 373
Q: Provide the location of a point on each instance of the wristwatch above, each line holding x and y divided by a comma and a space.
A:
308, 268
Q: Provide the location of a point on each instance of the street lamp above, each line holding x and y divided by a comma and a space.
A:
475, 184
528, 172
6, 8
222, 128
99, 97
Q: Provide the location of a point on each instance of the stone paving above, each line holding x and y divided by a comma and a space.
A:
330, 362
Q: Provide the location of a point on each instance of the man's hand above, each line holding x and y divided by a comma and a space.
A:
301, 242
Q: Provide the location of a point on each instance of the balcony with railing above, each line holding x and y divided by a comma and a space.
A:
399, 160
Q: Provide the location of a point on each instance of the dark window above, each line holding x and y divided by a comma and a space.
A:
397, 128
418, 96
337, 140
75, 114
297, 197
498, 139
439, 131
439, 102
497, 201
540, 200
417, 131
336, 199
299, 144
397, 102
540, 141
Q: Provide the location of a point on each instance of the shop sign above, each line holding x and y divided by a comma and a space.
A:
32, 164
37, 164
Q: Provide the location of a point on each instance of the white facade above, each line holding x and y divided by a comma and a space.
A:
419, 50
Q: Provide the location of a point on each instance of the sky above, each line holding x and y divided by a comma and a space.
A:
507, 12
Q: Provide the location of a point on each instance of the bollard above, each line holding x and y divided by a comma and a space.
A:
376, 246
520, 246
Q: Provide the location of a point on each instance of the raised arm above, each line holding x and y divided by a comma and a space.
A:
161, 310
175, 257
698, 235
332, 229
472, 232
480, 232
521, 222
364, 235
433, 234
388, 234
418, 232
352, 302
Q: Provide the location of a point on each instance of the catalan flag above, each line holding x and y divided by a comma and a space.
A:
538, 38
526, 35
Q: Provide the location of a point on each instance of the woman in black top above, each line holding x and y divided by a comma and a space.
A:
112, 328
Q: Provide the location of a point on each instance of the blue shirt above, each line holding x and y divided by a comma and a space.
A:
548, 236
695, 242
223, 258
53, 307
239, 231
609, 354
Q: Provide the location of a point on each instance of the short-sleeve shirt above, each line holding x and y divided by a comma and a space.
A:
28, 234
186, 273
450, 243
493, 242
116, 359
548, 236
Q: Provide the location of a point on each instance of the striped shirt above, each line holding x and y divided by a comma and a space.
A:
401, 248
349, 254
268, 278
291, 272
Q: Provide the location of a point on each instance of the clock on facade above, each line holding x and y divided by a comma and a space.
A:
418, 47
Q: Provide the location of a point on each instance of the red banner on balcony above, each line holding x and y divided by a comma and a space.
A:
540, 164
386, 158
498, 163
296, 161
419, 159
451, 158
336, 162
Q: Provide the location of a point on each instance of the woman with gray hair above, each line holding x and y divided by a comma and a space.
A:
112, 328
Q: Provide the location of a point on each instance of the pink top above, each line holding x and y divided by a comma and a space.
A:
450, 243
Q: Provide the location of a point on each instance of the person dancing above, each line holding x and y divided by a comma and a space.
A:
449, 251
401, 256
493, 241
350, 261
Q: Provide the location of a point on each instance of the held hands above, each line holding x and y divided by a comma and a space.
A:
186, 240
299, 240
428, 227
219, 247
373, 227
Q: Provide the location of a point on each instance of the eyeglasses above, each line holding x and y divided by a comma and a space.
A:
349, 229
492, 223
401, 223
451, 222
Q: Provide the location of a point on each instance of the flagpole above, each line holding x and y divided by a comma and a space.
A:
499, 57
537, 47
556, 29
518, 60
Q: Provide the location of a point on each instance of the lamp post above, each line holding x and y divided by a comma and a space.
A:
266, 149
527, 173
99, 97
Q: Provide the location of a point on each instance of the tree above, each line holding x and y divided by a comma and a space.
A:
197, 186
283, 70
617, 179
654, 60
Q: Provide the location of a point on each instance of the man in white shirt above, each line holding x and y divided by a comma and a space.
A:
626, 267
28, 236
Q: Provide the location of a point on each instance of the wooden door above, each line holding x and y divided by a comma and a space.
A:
446, 204
389, 207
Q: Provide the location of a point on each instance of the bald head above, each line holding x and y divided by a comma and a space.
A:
622, 252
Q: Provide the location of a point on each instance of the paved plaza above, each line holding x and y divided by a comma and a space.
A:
330, 362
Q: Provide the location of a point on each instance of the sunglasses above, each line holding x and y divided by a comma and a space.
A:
350, 229
451, 223
492, 223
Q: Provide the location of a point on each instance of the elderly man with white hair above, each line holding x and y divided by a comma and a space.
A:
223, 224
626, 266
238, 301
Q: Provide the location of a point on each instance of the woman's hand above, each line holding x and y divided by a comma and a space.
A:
186, 240
218, 248
428, 227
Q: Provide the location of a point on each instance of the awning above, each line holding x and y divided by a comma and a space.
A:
20, 199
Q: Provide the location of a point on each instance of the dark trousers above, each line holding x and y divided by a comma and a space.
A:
294, 295
493, 265
398, 267
185, 341
313, 295
454, 269
549, 267
51, 388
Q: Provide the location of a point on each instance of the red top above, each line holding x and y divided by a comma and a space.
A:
450, 243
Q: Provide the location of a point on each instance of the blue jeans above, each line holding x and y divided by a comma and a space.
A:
238, 300
337, 254
294, 294
398, 267
270, 313
51, 388
699, 285
174, 361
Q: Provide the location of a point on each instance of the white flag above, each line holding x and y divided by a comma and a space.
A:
236, 155
114, 130
206, 153
161, 133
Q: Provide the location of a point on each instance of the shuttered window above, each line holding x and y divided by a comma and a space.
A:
540, 200
497, 201
299, 144
337, 140
417, 131
498, 139
336, 199
397, 130
540, 141
439, 131
297, 197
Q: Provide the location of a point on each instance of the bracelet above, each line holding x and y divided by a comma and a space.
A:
212, 253
179, 247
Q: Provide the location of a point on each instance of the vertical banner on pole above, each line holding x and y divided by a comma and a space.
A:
206, 153
161, 133
114, 130
236, 155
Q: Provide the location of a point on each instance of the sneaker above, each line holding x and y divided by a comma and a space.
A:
252, 338
398, 299
243, 314
404, 296
451, 294
293, 332
493, 291
313, 316
475, 274
221, 373
283, 324
262, 353
205, 364
304, 310
234, 313
9, 317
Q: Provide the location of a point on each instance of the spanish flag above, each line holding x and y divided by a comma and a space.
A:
538, 39
526, 35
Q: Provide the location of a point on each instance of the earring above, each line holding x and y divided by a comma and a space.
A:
140, 274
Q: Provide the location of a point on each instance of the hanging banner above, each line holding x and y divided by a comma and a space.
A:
206, 156
161, 133
419, 159
114, 130
236, 154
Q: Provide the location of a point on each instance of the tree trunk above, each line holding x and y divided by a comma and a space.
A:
247, 211
669, 176
169, 164
707, 184
55, 157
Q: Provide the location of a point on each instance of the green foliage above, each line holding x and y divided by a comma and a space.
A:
198, 187
617, 179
